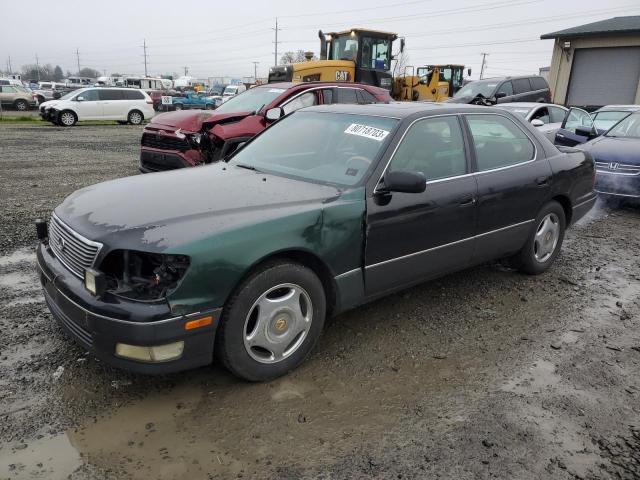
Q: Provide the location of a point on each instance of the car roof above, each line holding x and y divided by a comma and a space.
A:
398, 109
528, 104
619, 108
305, 85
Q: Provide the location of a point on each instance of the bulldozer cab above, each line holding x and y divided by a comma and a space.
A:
355, 55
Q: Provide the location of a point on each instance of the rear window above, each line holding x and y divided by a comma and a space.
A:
521, 85
538, 83
133, 95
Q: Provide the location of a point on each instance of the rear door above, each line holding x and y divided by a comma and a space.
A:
416, 236
513, 182
113, 104
574, 119
522, 90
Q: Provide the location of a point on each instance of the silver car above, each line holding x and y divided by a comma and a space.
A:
546, 117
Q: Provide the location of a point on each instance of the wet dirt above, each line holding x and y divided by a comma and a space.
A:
482, 374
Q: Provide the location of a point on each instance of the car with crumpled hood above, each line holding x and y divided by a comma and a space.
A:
187, 139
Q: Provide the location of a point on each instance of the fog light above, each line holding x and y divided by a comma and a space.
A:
159, 353
94, 281
41, 229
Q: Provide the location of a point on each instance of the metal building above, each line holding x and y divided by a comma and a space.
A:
597, 64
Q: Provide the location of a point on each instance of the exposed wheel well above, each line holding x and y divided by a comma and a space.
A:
566, 206
308, 260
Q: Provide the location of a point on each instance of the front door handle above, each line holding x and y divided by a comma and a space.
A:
467, 201
542, 181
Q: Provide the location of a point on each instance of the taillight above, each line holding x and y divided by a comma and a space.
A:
150, 102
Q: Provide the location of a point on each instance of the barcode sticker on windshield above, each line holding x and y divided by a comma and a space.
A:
366, 131
276, 90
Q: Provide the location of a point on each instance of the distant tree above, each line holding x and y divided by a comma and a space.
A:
295, 57
35, 72
57, 74
89, 72
69, 74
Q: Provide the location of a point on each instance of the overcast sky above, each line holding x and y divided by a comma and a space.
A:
216, 38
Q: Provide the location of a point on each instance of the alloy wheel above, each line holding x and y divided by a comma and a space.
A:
67, 119
278, 323
546, 238
135, 118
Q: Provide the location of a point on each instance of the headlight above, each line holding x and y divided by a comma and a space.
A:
141, 275
195, 139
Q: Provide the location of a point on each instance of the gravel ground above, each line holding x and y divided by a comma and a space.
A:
482, 374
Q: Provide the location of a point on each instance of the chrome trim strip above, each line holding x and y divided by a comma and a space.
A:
346, 274
622, 174
449, 244
586, 201
618, 194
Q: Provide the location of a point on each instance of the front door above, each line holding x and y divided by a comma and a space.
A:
88, 106
513, 184
568, 135
417, 236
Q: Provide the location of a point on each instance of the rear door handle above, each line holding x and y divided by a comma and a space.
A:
467, 201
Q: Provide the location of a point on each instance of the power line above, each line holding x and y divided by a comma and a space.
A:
255, 70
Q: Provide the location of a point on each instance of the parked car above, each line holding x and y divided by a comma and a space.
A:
17, 97
579, 126
125, 105
617, 158
46, 91
186, 139
190, 101
231, 91
503, 90
546, 117
10, 81
329, 208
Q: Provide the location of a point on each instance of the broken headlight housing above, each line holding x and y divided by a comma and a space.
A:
143, 276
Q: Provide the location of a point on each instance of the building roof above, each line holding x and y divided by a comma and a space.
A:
615, 25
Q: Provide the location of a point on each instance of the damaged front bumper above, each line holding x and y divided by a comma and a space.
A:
103, 326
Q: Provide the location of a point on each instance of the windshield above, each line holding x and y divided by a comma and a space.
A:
230, 90
251, 101
485, 89
606, 120
329, 148
518, 109
376, 53
629, 127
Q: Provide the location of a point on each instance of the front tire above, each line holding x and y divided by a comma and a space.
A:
545, 241
178, 106
135, 117
272, 321
67, 118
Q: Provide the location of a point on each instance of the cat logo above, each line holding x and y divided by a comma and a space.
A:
342, 76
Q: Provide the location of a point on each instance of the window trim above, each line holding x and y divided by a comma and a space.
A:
467, 150
475, 158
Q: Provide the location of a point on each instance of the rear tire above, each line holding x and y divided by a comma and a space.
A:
271, 322
21, 105
545, 241
178, 106
67, 118
135, 117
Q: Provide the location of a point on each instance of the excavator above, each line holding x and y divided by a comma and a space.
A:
364, 55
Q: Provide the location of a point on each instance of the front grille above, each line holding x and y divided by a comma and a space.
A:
159, 162
618, 168
164, 142
72, 249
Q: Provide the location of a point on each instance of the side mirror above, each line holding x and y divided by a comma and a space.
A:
79, 99
405, 182
586, 132
536, 122
274, 114
500, 95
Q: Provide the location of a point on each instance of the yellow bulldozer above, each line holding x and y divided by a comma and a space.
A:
364, 55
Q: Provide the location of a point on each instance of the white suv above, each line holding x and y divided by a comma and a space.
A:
126, 105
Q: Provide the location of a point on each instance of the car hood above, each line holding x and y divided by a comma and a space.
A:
50, 103
161, 211
190, 121
614, 149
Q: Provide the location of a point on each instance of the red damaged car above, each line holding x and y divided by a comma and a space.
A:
190, 138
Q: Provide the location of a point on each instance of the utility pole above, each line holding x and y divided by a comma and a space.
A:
255, 71
275, 56
144, 47
484, 61
37, 67
186, 70
78, 59
9, 64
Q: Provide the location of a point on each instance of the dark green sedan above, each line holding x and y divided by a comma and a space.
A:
328, 208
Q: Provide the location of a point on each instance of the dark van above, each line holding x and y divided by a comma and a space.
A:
504, 89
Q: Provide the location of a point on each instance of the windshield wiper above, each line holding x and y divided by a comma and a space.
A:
248, 167
258, 109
